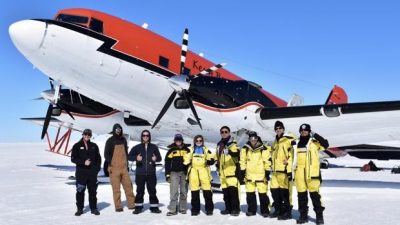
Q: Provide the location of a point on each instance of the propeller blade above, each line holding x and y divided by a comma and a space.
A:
189, 100
47, 120
38, 98
61, 106
164, 109
185, 42
210, 70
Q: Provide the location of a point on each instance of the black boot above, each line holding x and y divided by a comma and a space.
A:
79, 212
137, 210
287, 215
303, 218
320, 219
155, 210
95, 212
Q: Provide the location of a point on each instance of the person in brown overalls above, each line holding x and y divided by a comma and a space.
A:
116, 154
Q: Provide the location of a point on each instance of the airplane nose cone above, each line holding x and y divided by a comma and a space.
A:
27, 35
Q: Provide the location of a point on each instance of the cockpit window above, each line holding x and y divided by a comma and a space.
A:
72, 19
96, 25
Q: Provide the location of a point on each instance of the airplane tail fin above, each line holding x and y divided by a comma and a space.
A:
337, 96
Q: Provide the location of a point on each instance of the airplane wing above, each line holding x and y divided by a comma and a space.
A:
54, 122
341, 124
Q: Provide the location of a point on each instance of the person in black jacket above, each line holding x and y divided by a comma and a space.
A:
175, 174
116, 154
146, 155
85, 154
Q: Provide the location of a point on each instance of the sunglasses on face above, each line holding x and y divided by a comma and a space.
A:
224, 132
88, 135
145, 135
279, 128
199, 141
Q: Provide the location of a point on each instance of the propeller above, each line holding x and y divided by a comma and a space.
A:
181, 83
54, 102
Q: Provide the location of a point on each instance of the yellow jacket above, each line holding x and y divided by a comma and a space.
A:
228, 158
255, 162
281, 151
308, 158
199, 160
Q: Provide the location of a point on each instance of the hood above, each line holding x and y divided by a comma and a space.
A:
117, 125
141, 139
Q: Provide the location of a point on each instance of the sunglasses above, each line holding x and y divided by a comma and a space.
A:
89, 135
279, 128
199, 140
224, 132
145, 135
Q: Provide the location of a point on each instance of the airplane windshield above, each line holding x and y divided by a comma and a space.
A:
73, 19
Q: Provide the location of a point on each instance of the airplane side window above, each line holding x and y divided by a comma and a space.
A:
72, 19
96, 25
164, 62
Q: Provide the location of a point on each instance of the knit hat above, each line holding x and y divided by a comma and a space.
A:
178, 137
252, 134
278, 124
87, 132
305, 126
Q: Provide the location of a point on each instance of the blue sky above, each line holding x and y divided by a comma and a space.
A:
302, 47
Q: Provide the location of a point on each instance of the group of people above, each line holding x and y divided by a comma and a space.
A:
257, 166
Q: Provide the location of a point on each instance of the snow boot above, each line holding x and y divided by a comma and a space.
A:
320, 219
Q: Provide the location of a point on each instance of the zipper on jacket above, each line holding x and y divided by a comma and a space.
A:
145, 149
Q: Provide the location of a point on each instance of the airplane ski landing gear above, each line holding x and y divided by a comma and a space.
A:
60, 142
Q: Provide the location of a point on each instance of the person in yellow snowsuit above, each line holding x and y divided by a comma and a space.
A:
228, 169
199, 160
282, 160
255, 166
307, 172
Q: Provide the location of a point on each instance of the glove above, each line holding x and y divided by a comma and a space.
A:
168, 178
289, 176
267, 175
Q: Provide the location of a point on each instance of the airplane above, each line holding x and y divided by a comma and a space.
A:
143, 77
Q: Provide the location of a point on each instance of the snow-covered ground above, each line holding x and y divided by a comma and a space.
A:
35, 189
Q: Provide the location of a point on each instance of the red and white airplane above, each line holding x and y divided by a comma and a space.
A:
122, 72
